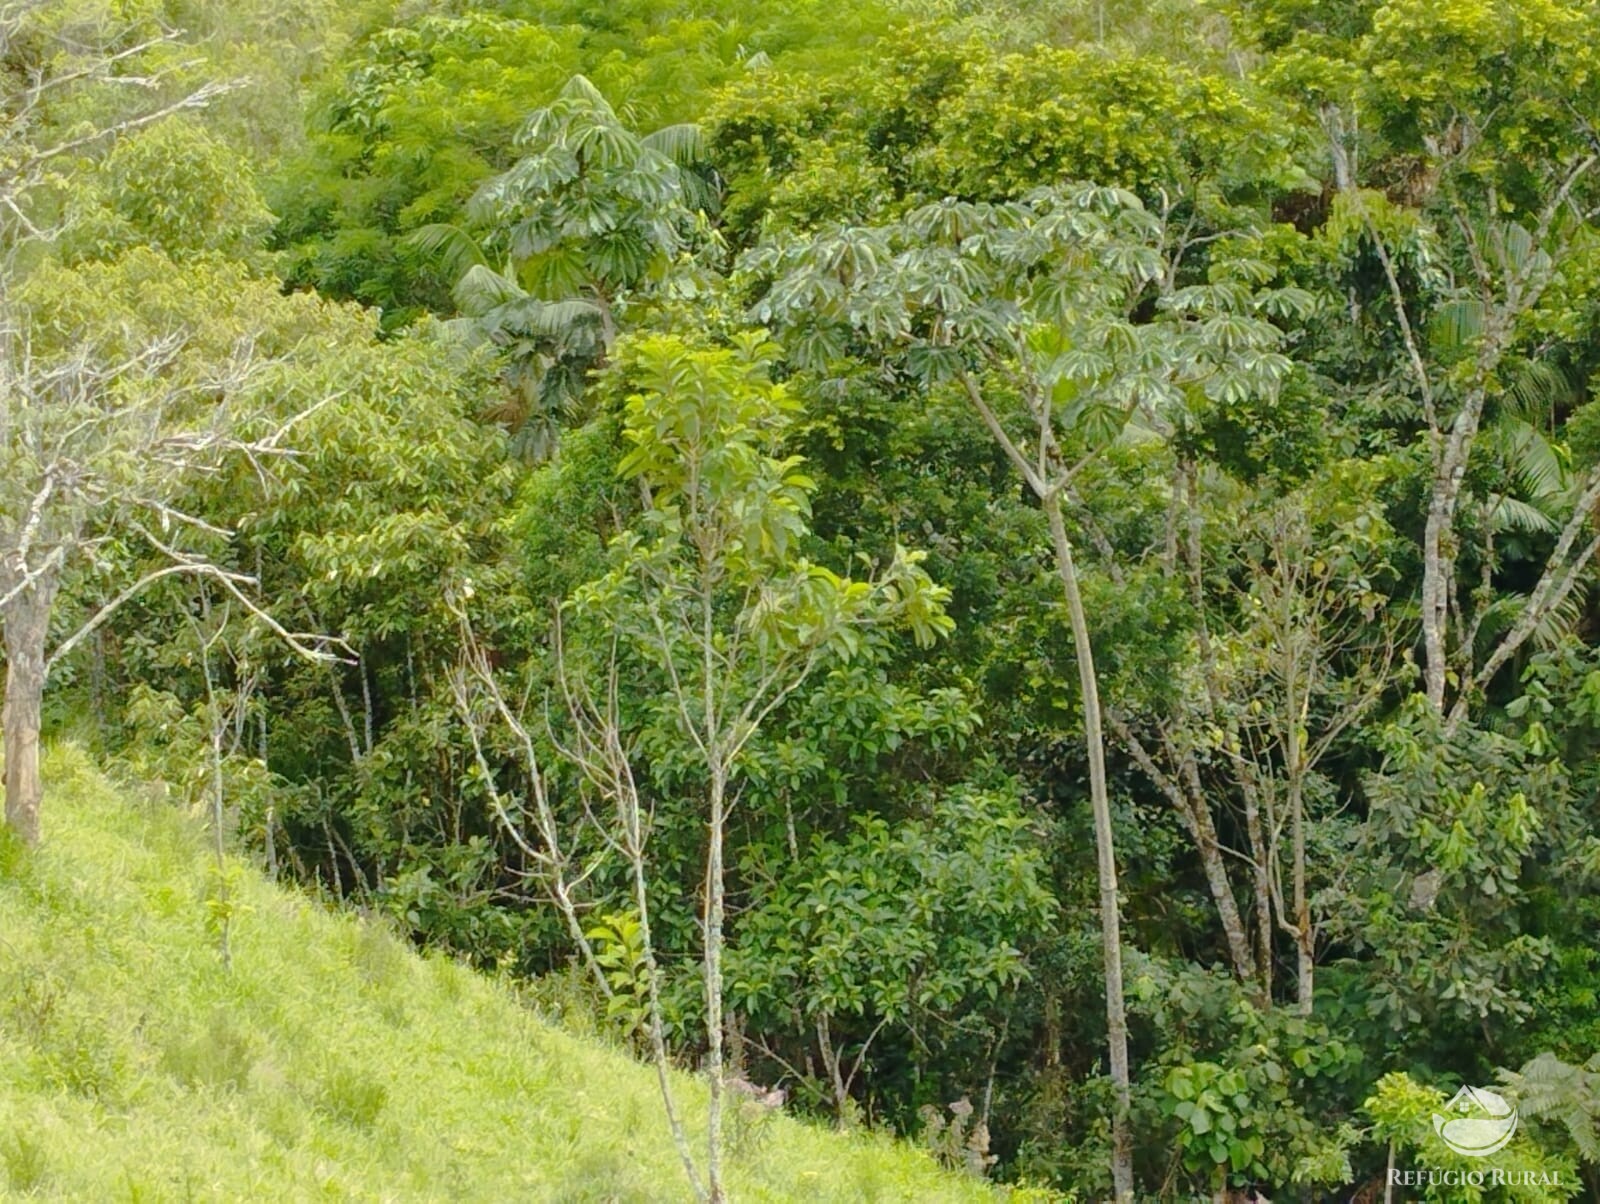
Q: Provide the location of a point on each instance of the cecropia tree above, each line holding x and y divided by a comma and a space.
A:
1032, 310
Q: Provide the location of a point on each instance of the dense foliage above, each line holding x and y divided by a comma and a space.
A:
793, 520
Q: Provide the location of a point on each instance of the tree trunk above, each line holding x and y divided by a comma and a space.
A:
1209, 848
219, 812
830, 1063
657, 1024
27, 625
1305, 939
1296, 703
1260, 881
1435, 600
1105, 851
1438, 536
714, 918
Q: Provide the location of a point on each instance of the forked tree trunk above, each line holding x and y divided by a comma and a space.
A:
27, 625
1105, 855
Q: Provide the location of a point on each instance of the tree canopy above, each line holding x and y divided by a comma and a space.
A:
1022, 573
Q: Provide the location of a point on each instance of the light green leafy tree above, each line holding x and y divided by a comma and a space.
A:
174, 188
711, 606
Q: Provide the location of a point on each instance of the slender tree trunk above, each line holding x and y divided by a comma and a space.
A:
1305, 940
1209, 848
27, 626
657, 1024
714, 917
830, 1063
1105, 852
219, 845
1435, 600
1298, 673
1261, 883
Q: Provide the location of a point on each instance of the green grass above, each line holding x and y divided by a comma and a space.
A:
330, 1063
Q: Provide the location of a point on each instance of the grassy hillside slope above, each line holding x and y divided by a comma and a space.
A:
330, 1063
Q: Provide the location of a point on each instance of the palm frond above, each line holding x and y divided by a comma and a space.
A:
482, 289
1556, 626
683, 143
450, 247
1562, 622
1513, 514
1530, 460
1457, 324
1538, 389
580, 87
550, 319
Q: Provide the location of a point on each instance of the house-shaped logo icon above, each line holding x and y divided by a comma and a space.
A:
1477, 1122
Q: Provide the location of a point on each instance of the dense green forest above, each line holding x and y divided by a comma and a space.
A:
1016, 573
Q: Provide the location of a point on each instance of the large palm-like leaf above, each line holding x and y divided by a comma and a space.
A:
481, 290
450, 247
1538, 390
1514, 514
590, 213
1556, 626
1536, 480
683, 143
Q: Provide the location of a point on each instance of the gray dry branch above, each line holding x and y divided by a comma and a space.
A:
33, 152
596, 749
95, 453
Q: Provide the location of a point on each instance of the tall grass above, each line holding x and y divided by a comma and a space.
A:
330, 1063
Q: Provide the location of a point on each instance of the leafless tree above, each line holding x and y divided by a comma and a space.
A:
594, 746
94, 448
96, 444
